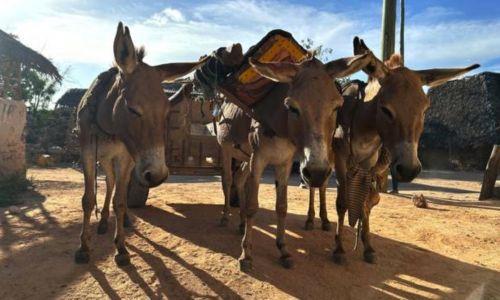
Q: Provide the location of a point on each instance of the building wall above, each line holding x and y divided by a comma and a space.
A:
12, 146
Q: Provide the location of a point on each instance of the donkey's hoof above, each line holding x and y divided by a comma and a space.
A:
286, 261
224, 221
122, 260
241, 229
326, 226
102, 228
309, 225
245, 264
126, 222
82, 257
370, 257
338, 258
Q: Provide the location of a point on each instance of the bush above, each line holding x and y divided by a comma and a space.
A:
10, 187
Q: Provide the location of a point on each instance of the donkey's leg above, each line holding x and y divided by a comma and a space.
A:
282, 173
338, 252
368, 253
227, 181
107, 166
123, 167
340, 204
323, 214
257, 165
82, 255
240, 178
310, 212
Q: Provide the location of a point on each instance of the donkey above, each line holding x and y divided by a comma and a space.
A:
299, 117
232, 135
352, 89
121, 120
390, 119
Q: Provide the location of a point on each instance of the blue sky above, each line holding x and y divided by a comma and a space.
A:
77, 35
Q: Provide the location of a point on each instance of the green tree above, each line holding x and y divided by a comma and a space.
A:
37, 89
323, 54
320, 52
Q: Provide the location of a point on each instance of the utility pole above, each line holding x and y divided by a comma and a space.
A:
402, 30
388, 47
388, 28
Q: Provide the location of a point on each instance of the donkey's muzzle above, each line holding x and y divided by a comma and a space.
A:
406, 173
150, 177
315, 177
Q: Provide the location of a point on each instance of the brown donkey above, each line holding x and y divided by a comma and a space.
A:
121, 119
232, 135
299, 116
391, 118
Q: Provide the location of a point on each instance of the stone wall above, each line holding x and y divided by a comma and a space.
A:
463, 122
12, 146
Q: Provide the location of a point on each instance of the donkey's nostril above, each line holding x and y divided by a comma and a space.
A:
405, 173
148, 177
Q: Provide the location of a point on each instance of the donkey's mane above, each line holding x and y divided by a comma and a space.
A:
141, 53
395, 61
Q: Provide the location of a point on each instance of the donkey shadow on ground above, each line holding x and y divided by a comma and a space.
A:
402, 269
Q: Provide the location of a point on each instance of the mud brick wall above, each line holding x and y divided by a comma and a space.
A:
12, 146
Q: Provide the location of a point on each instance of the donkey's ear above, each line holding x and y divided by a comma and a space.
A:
359, 46
435, 77
276, 71
346, 66
124, 50
376, 68
172, 71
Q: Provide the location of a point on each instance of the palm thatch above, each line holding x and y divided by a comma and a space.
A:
71, 98
11, 50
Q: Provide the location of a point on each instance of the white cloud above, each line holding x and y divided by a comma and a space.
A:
453, 43
72, 37
164, 17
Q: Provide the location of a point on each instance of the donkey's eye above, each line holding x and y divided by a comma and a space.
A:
293, 110
133, 111
387, 113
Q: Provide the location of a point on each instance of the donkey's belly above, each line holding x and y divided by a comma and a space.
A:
276, 150
111, 148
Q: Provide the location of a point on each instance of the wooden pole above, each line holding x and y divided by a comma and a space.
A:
388, 28
388, 46
490, 174
402, 30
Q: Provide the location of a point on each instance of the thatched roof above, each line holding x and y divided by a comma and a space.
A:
13, 50
71, 98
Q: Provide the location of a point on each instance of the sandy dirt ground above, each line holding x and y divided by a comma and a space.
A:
178, 251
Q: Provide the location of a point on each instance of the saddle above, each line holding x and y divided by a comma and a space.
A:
96, 93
